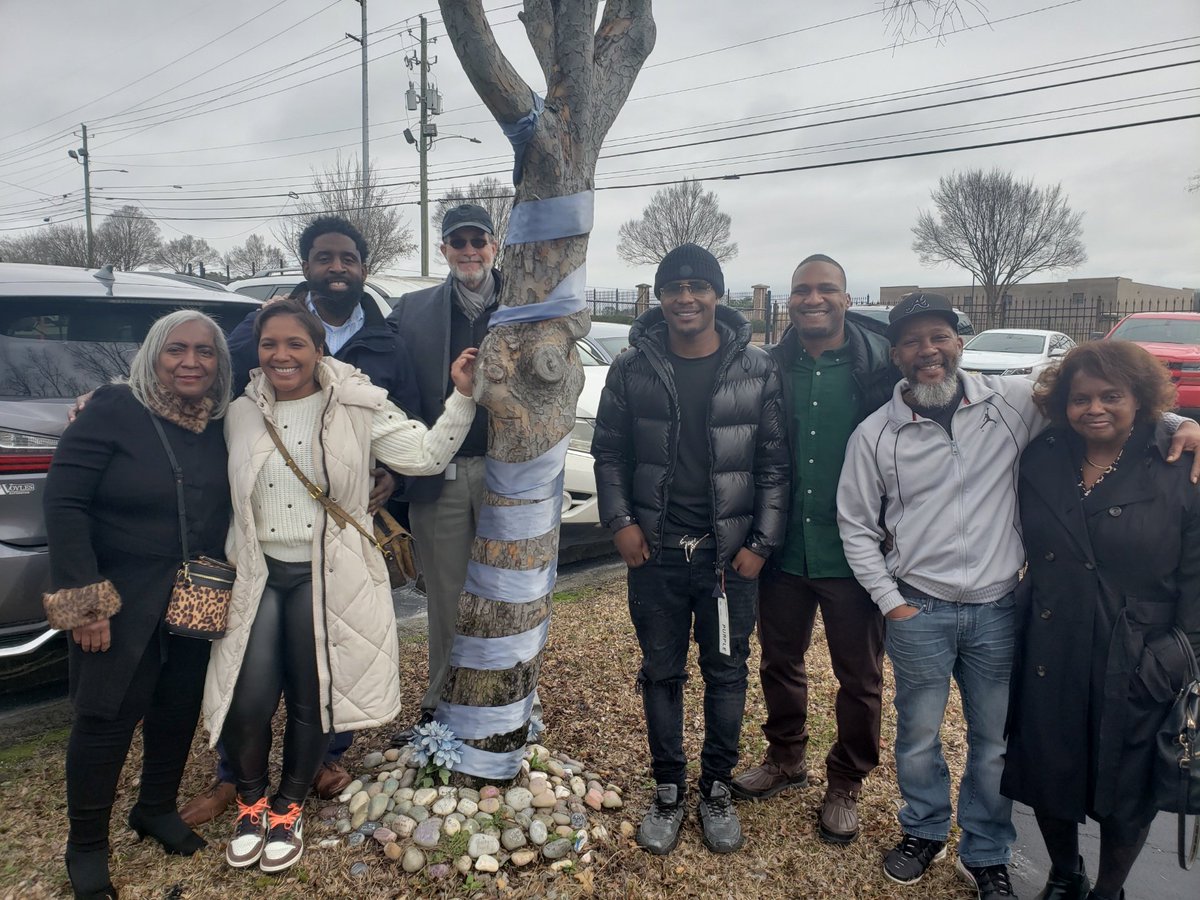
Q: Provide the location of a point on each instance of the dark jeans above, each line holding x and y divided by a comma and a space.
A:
165, 693
787, 609
338, 745
280, 657
666, 595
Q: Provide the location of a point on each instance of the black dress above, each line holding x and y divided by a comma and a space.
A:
1095, 667
111, 512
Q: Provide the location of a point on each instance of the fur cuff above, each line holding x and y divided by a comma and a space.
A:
74, 607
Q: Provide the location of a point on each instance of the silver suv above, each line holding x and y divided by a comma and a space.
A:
63, 332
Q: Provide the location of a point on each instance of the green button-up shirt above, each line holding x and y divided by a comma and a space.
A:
826, 413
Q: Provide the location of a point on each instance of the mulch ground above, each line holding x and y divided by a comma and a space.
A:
593, 713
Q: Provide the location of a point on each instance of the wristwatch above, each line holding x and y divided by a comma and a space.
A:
615, 525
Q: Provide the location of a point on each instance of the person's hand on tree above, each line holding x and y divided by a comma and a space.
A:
93, 638
631, 544
384, 487
747, 563
462, 371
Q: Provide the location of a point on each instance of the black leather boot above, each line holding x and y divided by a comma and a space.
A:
88, 871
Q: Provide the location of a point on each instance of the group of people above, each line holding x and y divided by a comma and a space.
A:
849, 469
208, 446
1039, 543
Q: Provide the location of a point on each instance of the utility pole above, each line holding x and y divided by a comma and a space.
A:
423, 150
81, 156
366, 159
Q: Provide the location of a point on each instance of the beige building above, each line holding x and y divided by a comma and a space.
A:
1078, 306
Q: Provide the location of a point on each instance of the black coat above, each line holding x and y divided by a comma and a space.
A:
111, 512
1095, 667
637, 434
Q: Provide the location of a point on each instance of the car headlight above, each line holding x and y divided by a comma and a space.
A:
582, 434
1028, 370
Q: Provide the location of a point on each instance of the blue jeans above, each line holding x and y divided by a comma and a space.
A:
665, 595
974, 644
338, 744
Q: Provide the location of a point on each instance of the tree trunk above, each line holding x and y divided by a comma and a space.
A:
529, 374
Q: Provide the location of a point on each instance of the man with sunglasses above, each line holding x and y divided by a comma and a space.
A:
436, 324
692, 475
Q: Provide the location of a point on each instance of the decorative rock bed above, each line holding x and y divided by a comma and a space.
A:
549, 814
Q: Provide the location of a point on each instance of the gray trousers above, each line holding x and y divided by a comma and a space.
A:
444, 530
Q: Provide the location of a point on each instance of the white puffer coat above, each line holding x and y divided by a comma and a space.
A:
353, 618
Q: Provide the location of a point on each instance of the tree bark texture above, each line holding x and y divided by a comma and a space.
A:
529, 374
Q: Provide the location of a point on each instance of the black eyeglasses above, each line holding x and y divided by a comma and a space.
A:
477, 242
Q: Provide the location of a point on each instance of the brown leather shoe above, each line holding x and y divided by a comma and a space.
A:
207, 806
331, 780
838, 822
766, 781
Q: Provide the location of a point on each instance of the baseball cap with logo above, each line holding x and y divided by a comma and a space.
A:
468, 215
920, 303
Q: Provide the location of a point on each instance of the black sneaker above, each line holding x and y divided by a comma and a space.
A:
722, 831
659, 831
990, 882
907, 861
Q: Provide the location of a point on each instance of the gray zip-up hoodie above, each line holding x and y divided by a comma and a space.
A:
950, 504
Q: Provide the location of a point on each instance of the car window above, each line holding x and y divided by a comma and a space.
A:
588, 356
614, 346
1163, 331
60, 348
257, 291
1007, 342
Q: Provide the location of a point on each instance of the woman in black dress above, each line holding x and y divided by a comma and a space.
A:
114, 534
1112, 533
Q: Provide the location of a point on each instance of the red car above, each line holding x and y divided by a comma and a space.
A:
1174, 337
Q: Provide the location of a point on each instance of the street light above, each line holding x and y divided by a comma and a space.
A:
429, 134
81, 156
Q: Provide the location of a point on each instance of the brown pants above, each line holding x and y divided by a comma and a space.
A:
787, 608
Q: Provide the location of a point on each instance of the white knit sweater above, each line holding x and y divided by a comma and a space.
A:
285, 515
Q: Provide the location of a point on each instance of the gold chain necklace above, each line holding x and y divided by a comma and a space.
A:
1104, 470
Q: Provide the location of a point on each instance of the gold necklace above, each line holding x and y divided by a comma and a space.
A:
1104, 470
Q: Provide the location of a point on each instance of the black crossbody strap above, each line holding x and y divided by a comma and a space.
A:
183, 529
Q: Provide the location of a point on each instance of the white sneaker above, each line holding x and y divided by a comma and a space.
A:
249, 834
285, 839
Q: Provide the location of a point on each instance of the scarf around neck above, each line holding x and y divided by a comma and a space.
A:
192, 416
472, 303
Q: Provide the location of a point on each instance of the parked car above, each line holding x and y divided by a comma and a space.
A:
607, 340
1014, 351
880, 314
1174, 337
63, 332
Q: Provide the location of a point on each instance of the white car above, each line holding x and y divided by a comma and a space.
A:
385, 290
579, 482
1014, 351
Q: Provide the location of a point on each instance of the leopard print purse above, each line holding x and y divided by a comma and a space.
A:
199, 605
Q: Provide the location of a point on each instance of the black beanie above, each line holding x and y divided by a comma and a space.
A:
689, 261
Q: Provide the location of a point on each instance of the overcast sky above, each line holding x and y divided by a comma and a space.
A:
239, 101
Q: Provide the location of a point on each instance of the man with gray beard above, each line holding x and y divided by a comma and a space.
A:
436, 324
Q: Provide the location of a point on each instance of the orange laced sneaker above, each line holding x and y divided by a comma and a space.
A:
285, 839
249, 833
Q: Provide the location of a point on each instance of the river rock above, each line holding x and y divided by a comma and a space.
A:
562, 792
481, 844
419, 813
329, 843
424, 796
578, 786
627, 829
544, 800
356, 839
562, 865
358, 818
554, 767
467, 806
329, 813
413, 860
403, 793
451, 827
443, 806
404, 826
538, 832
565, 831
487, 863
351, 789
594, 799
556, 849
358, 801
512, 838
561, 818
359, 869
374, 789
385, 836
523, 857
599, 834
488, 791
391, 754
391, 786
612, 800
343, 826
371, 760
470, 826
463, 864
378, 806
393, 851
409, 778
369, 827
427, 833
489, 805
439, 871
518, 798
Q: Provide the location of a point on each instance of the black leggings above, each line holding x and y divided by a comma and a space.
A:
280, 657
165, 693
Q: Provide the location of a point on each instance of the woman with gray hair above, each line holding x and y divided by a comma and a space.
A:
113, 525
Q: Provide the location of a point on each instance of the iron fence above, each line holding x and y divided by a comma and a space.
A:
1081, 318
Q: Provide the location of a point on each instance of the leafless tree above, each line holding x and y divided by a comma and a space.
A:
530, 374
55, 245
490, 193
127, 238
681, 213
253, 257
999, 229
339, 191
930, 17
182, 254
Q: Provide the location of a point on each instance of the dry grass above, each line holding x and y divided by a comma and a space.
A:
593, 713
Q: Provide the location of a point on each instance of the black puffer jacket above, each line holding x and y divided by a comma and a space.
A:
637, 435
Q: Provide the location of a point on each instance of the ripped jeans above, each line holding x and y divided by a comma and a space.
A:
666, 595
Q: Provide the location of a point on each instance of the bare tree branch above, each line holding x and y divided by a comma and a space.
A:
623, 42
904, 18
500, 87
538, 19
999, 229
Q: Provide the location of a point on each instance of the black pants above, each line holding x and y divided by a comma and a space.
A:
280, 657
666, 595
165, 695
